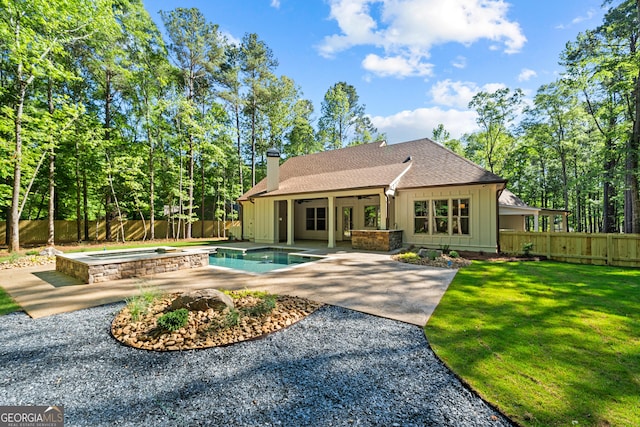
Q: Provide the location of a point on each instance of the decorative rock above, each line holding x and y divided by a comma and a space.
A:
50, 251
202, 300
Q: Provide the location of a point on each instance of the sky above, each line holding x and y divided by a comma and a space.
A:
414, 63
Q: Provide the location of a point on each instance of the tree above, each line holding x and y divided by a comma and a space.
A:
301, 138
343, 120
198, 51
443, 137
608, 56
496, 112
257, 65
33, 32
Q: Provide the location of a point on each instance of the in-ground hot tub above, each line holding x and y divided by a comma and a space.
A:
101, 266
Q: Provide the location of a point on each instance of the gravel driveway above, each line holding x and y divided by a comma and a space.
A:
336, 367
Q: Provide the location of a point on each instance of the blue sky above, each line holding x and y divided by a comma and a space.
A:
414, 63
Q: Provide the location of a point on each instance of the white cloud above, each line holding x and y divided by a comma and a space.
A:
415, 124
275, 4
578, 19
397, 66
459, 62
526, 74
410, 28
458, 94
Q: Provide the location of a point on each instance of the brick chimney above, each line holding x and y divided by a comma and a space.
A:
273, 169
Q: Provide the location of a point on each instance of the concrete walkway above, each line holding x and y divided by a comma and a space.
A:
368, 282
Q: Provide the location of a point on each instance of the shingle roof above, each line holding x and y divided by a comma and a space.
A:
508, 199
376, 165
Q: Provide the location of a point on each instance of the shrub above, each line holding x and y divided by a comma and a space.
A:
174, 320
265, 306
409, 257
527, 248
33, 252
454, 254
432, 255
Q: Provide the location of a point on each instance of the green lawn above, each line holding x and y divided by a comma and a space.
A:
7, 304
550, 344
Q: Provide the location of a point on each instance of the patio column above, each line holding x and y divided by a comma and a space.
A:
290, 221
536, 224
331, 223
384, 211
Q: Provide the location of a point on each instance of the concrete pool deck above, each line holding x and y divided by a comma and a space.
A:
372, 283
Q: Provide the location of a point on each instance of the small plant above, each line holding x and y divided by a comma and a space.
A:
409, 257
138, 305
247, 293
454, 254
15, 256
32, 252
444, 248
527, 248
432, 255
233, 317
174, 320
265, 306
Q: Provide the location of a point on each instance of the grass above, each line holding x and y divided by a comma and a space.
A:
7, 304
550, 344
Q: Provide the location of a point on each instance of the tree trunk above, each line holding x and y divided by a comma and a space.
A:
107, 138
78, 193
85, 204
14, 227
52, 182
152, 211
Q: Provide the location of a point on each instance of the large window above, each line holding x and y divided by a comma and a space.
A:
460, 214
440, 216
421, 217
372, 216
316, 219
434, 216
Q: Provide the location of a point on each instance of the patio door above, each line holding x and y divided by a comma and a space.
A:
347, 222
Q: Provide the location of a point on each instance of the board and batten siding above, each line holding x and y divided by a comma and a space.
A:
482, 217
248, 220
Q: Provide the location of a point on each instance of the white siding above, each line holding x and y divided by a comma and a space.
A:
482, 217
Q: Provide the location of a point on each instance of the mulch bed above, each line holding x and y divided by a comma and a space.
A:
208, 328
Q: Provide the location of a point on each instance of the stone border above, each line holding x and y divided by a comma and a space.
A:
140, 263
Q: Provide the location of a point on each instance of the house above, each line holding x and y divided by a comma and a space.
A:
514, 213
416, 192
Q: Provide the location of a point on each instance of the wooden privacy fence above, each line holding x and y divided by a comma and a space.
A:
580, 248
37, 231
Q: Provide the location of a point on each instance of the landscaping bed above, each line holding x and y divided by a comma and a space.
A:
255, 315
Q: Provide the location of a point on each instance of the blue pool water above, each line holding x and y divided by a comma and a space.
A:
258, 261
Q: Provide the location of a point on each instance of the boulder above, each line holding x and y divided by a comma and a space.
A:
429, 253
50, 251
202, 300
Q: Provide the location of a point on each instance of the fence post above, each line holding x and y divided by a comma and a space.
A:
548, 245
609, 249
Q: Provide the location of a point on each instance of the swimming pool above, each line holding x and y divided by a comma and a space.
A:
260, 260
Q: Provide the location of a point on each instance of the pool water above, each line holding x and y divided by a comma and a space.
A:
258, 261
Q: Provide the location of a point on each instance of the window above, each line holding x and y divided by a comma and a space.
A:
421, 217
460, 216
372, 216
434, 216
441, 216
316, 219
